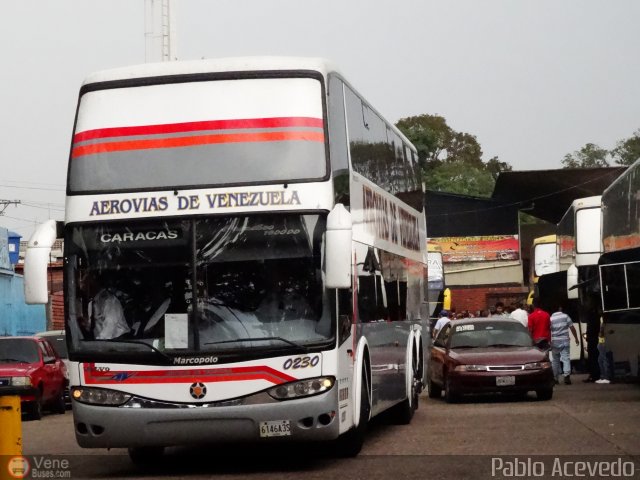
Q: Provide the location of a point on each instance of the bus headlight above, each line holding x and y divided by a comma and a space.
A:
301, 388
99, 396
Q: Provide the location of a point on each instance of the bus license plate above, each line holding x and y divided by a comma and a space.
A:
280, 428
506, 380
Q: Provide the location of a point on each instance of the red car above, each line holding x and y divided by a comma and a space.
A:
31, 365
488, 355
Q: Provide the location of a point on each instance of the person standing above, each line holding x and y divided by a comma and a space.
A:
561, 325
593, 333
539, 323
520, 314
603, 360
500, 310
442, 321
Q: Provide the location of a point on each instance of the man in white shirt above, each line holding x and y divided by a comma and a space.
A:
108, 316
442, 321
520, 314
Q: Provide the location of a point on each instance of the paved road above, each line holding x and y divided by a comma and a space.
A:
443, 441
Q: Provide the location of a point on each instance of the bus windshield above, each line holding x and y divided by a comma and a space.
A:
202, 284
203, 133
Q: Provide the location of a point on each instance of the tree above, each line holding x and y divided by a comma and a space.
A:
430, 134
589, 156
461, 177
627, 151
450, 161
495, 166
464, 147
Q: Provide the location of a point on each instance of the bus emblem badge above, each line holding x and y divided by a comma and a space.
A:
198, 390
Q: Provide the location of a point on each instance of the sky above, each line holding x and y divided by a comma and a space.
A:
532, 80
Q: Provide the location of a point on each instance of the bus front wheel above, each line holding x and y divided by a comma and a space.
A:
350, 443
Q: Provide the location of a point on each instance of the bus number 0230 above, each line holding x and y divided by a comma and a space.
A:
301, 362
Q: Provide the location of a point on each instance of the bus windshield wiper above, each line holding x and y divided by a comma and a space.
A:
12, 360
136, 342
257, 339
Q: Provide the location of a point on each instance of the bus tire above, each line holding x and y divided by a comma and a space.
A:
350, 443
403, 412
146, 457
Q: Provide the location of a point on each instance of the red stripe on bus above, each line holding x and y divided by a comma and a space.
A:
93, 376
195, 141
276, 122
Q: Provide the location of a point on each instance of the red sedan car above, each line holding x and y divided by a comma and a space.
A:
31, 365
488, 355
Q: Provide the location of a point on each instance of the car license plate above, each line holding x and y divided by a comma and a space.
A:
279, 428
506, 380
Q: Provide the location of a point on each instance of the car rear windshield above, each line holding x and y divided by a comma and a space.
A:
482, 335
59, 344
18, 350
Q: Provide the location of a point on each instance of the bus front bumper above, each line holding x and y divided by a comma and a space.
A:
313, 418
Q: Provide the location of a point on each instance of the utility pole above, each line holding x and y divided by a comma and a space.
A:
159, 31
5, 203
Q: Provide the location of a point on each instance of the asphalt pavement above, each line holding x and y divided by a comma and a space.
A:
476, 438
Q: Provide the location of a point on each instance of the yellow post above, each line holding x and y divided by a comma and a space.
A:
10, 425
446, 304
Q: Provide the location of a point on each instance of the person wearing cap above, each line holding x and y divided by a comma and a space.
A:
442, 321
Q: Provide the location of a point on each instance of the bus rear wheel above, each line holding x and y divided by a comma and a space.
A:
404, 411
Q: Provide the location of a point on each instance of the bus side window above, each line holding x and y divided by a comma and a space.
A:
371, 299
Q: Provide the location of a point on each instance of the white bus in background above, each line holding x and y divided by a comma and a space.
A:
619, 268
255, 231
579, 248
436, 280
543, 260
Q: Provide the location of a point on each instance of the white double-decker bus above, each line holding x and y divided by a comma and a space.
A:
245, 257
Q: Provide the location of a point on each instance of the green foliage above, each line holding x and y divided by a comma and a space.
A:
526, 219
461, 177
430, 134
450, 161
589, 156
495, 166
627, 151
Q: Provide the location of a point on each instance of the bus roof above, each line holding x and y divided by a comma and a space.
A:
587, 202
219, 65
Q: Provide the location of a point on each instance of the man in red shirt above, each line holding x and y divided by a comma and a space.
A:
539, 324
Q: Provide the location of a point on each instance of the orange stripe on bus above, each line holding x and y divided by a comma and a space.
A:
195, 141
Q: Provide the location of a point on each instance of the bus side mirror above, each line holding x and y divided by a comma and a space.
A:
338, 248
36, 263
572, 283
